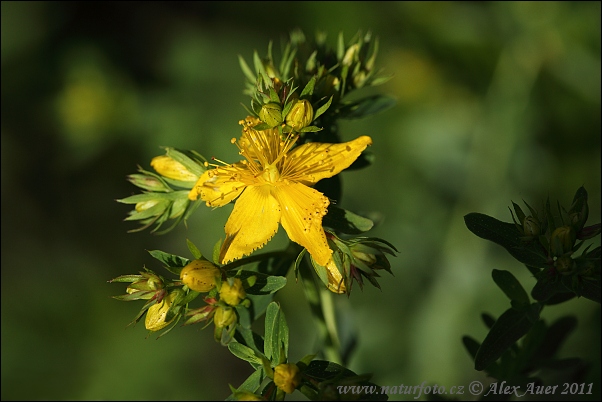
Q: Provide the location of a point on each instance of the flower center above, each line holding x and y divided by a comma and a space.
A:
271, 173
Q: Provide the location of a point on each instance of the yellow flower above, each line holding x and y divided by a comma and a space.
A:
232, 294
273, 183
200, 275
155, 316
287, 377
172, 169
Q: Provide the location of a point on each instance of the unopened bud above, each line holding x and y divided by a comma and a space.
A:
271, 114
301, 115
562, 240
287, 377
531, 226
224, 316
155, 316
172, 169
232, 294
144, 205
200, 275
564, 265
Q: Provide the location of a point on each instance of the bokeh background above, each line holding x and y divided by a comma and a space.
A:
496, 102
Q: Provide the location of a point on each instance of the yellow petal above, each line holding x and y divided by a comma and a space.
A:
302, 211
315, 161
217, 187
252, 223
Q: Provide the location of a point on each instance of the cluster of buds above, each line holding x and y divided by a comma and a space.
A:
203, 276
325, 75
353, 260
166, 191
560, 236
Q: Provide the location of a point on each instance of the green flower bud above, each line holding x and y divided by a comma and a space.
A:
155, 316
172, 169
564, 265
301, 115
224, 316
147, 182
531, 226
144, 205
232, 294
200, 275
287, 377
562, 240
271, 114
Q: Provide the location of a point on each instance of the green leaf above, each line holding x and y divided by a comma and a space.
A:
173, 263
193, 250
257, 283
323, 108
509, 328
366, 107
244, 352
276, 335
345, 221
555, 337
511, 287
507, 236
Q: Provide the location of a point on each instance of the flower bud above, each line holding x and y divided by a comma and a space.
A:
172, 169
564, 265
232, 294
200, 275
301, 115
350, 55
247, 396
147, 182
562, 240
271, 114
144, 205
224, 316
155, 316
531, 226
287, 377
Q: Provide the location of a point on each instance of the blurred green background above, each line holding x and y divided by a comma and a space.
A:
496, 102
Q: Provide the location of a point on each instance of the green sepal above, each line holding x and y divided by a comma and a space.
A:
191, 160
510, 327
127, 278
216, 251
246, 69
344, 221
511, 287
251, 384
310, 129
507, 236
196, 253
366, 107
173, 263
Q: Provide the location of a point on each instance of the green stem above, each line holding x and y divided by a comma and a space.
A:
322, 309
